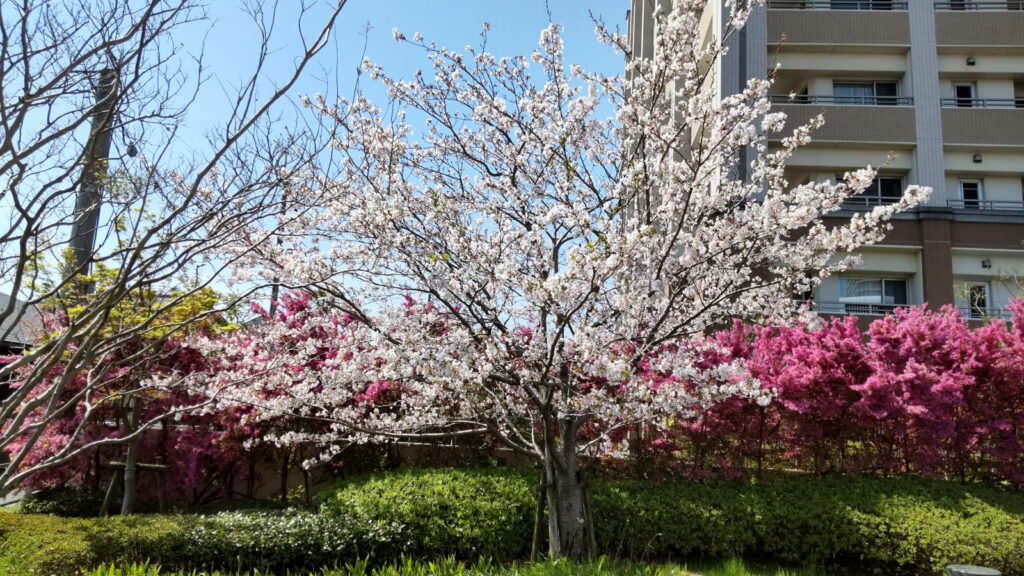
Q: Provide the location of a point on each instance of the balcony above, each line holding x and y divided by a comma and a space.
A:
976, 313
858, 309
983, 23
849, 22
986, 5
842, 100
837, 5
982, 102
866, 202
890, 121
999, 205
989, 125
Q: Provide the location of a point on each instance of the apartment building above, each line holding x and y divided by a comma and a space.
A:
930, 92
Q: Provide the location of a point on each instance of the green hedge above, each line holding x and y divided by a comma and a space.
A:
43, 545
63, 502
469, 513
914, 525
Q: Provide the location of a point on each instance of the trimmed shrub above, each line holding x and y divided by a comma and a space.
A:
35, 544
899, 525
63, 502
913, 524
470, 513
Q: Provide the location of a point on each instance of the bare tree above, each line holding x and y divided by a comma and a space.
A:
153, 220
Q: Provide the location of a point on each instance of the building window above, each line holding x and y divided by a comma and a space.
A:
971, 193
883, 190
963, 94
977, 300
865, 93
872, 295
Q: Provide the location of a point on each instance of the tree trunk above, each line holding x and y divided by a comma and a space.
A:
566, 534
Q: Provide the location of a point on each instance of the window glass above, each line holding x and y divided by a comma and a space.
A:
977, 300
964, 94
970, 193
865, 93
872, 295
894, 291
890, 189
885, 93
883, 190
860, 290
853, 93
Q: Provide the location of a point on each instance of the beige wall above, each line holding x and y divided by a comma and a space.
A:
861, 124
861, 63
983, 127
828, 28
993, 162
981, 28
1005, 278
984, 87
848, 158
984, 63
999, 188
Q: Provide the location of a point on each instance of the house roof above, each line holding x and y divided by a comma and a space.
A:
22, 327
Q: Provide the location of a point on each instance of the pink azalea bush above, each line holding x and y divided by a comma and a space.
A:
919, 392
209, 453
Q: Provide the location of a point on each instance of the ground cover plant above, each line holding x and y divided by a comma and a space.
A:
449, 567
912, 526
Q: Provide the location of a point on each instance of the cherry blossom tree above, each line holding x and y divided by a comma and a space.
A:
529, 251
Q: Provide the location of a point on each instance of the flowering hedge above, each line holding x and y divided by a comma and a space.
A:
920, 392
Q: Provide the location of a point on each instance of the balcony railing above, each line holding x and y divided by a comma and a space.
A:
976, 313
1005, 205
837, 5
841, 100
865, 202
860, 309
983, 102
994, 5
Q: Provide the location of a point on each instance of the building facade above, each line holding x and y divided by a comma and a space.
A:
928, 92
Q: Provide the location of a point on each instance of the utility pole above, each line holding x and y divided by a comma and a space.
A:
94, 172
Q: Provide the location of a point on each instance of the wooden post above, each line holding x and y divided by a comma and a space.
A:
108, 499
119, 475
284, 476
131, 461
588, 522
538, 520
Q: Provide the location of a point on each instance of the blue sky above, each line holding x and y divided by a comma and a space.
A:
515, 28
228, 41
